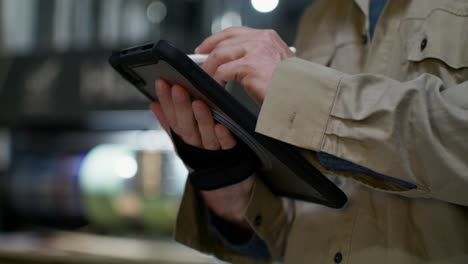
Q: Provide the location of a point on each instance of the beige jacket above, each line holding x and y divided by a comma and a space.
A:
397, 105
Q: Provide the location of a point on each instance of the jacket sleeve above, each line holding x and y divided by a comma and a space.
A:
270, 224
414, 131
254, 247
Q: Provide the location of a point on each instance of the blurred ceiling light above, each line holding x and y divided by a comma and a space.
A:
264, 6
126, 167
229, 19
156, 12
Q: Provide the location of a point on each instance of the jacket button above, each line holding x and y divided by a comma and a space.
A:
364, 39
258, 220
338, 257
423, 44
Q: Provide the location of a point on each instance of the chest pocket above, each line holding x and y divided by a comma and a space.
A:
444, 37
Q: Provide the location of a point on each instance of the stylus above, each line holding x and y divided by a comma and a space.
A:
201, 58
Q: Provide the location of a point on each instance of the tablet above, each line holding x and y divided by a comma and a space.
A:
283, 169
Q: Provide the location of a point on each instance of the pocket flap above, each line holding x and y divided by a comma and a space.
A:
444, 36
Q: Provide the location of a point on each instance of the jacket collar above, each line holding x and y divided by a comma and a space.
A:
364, 6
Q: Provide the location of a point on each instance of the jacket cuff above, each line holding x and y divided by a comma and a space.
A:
299, 109
296, 113
270, 217
254, 247
193, 228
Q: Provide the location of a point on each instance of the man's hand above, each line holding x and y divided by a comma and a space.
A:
193, 122
247, 55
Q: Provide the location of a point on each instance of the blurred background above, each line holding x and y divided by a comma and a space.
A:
86, 173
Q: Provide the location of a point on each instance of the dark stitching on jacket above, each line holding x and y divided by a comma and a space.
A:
449, 10
292, 118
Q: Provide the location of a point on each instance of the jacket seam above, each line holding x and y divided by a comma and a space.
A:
352, 234
322, 143
450, 10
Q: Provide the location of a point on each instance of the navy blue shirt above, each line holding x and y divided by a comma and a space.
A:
375, 9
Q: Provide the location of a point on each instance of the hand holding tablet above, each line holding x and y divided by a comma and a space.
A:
282, 168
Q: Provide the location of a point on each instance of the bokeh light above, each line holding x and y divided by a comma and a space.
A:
264, 6
156, 12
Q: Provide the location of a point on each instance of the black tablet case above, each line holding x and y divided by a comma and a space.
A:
283, 169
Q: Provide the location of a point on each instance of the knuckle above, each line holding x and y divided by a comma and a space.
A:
198, 116
267, 33
191, 137
220, 55
230, 30
223, 44
203, 120
226, 138
220, 70
230, 56
249, 65
270, 35
215, 55
259, 44
223, 140
248, 81
211, 144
